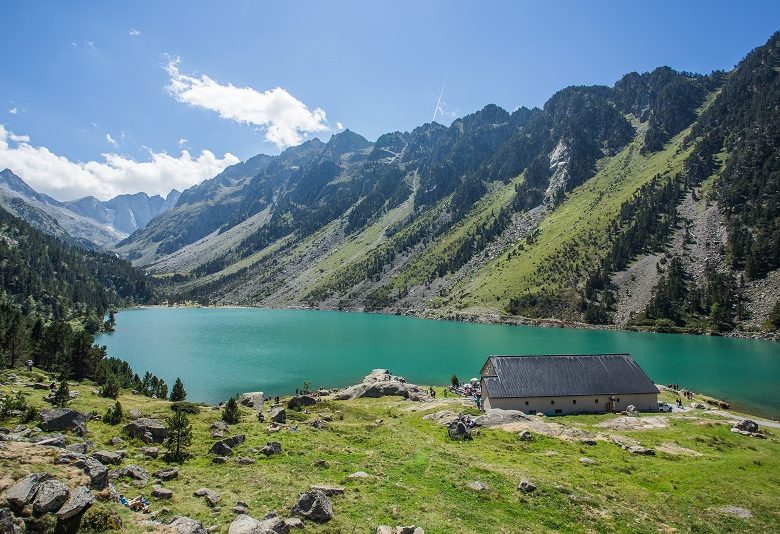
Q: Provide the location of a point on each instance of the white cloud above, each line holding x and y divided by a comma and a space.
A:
110, 140
91, 45
134, 33
64, 179
182, 142
285, 120
339, 126
13, 110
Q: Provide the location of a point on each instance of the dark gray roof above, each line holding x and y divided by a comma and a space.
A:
564, 374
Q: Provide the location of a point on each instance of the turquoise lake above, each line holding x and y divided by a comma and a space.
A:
219, 352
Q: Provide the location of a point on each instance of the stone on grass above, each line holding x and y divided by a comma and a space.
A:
245, 524
22, 493
52, 441
107, 457
359, 474
746, 425
147, 430
328, 490
116, 440
150, 452
524, 435
187, 525
272, 447
293, 522
138, 474
498, 416
59, 419
80, 499
642, 451
315, 506
78, 448
169, 473
477, 486
278, 415
51, 495
221, 448
526, 486
135, 413
158, 492
300, 401
587, 461
588, 441
737, 511
252, 399
219, 425
384, 529
219, 459
96, 471
245, 460
211, 496
458, 430
8, 523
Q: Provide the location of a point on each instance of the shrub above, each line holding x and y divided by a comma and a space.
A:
110, 389
114, 415
186, 407
231, 414
100, 518
62, 396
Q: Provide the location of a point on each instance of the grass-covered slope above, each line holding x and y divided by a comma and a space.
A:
419, 476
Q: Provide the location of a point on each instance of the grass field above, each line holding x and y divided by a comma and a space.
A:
419, 476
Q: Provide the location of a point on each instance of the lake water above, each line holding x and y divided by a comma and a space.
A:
218, 352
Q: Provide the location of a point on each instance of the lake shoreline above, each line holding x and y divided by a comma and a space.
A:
488, 318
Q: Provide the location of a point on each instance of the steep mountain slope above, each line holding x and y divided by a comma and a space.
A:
533, 214
124, 213
52, 216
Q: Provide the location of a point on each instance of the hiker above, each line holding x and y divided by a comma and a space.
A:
260, 417
432, 392
276, 399
29, 364
445, 391
478, 400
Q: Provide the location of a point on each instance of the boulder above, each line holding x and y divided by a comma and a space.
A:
234, 441
219, 459
746, 425
219, 425
166, 474
22, 493
358, 475
444, 417
80, 499
107, 457
588, 441
631, 409
301, 401
147, 430
78, 448
224, 447
498, 417
245, 460
51, 495
328, 490
272, 447
135, 413
211, 496
315, 506
158, 492
187, 525
9, 524
55, 440
253, 399
477, 486
317, 424
150, 452
458, 430
278, 415
643, 451
245, 524
526, 486
525, 435
293, 522
384, 529
138, 474
587, 461
96, 471
61, 419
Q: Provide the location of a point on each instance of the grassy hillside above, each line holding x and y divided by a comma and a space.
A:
419, 476
572, 240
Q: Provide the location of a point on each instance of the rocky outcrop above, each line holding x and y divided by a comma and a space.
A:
224, 447
271, 524
301, 401
107, 457
80, 499
272, 447
315, 506
278, 415
380, 383
458, 430
96, 471
526, 486
166, 474
50, 497
158, 492
138, 474
252, 399
187, 525
23, 492
147, 430
498, 417
62, 419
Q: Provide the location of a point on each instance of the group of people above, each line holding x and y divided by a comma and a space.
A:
138, 504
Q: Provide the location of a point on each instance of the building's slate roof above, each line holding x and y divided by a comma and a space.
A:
564, 375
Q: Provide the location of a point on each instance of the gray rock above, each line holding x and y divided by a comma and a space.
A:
107, 457
167, 474
384, 529
477, 486
642, 451
224, 447
22, 493
359, 474
737, 511
239, 510
272, 447
301, 401
8, 523
51, 495
588, 441
61, 419
278, 415
253, 399
79, 448
217, 434
526, 486
96, 471
245, 524
525, 435
317, 424
159, 492
211, 496
234, 441
187, 525
315, 506
293, 522
219, 459
150, 452
135, 413
458, 430
219, 425
52, 441
116, 440
138, 474
746, 425
80, 499
147, 430
328, 490
497, 417
245, 460
587, 461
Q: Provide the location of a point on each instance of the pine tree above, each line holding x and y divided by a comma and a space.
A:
114, 415
178, 393
179, 436
62, 395
231, 414
110, 389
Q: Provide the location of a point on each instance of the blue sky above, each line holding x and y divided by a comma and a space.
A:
101, 97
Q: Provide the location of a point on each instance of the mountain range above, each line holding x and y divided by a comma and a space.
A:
87, 221
653, 203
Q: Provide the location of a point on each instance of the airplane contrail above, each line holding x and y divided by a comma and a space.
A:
438, 103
